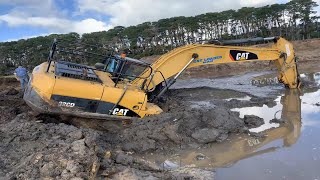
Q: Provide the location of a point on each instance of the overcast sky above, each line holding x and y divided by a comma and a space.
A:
29, 18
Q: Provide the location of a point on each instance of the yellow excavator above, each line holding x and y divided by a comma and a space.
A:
123, 87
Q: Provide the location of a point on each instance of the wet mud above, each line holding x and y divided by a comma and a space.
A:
285, 128
41, 146
199, 118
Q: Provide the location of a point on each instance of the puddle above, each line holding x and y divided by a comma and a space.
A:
241, 83
198, 94
293, 151
309, 105
246, 98
264, 112
290, 150
210, 105
201, 105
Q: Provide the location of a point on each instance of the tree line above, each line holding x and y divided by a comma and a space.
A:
294, 20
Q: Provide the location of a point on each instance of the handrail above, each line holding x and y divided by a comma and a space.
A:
242, 41
56, 46
52, 51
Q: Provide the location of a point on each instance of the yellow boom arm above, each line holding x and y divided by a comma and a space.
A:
176, 61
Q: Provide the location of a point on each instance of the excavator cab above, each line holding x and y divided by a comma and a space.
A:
59, 86
124, 68
112, 65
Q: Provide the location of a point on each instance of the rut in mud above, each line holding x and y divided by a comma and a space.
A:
34, 147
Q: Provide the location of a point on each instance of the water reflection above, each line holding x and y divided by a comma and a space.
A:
312, 77
245, 98
244, 146
289, 102
296, 148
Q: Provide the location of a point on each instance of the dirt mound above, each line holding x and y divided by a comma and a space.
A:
50, 147
11, 92
40, 147
253, 121
10, 104
185, 128
31, 149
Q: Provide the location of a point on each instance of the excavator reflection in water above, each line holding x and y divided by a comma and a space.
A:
238, 148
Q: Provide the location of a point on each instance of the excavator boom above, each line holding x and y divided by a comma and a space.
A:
176, 61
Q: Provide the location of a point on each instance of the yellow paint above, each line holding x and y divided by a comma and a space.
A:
47, 84
135, 99
171, 63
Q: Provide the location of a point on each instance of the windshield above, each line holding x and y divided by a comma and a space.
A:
132, 70
125, 69
112, 66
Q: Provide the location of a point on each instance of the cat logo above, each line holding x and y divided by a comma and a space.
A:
120, 112
236, 55
242, 56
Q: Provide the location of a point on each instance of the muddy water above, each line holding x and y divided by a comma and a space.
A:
264, 112
288, 147
293, 148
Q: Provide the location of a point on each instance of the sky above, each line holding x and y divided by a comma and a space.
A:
21, 19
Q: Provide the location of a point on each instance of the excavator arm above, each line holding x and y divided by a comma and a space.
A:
175, 62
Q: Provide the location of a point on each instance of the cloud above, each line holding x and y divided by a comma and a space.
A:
31, 7
27, 37
251, 3
129, 12
318, 8
56, 24
49, 22
89, 25
26, 3
45, 14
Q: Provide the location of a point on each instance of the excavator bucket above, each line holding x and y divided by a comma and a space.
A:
287, 65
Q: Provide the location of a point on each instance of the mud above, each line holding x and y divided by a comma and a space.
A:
54, 147
186, 128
